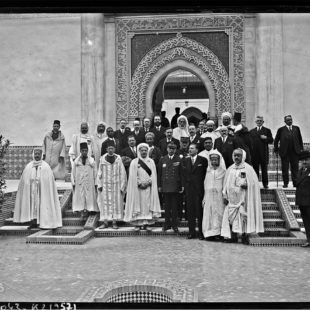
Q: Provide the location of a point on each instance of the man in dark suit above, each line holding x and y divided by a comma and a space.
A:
194, 137
164, 141
225, 145
122, 134
158, 130
242, 137
174, 120
303, 192
129, 153
194, 171
109, 141
261, 137
170, 185
164, 120
154, 151
291, 145
138, 132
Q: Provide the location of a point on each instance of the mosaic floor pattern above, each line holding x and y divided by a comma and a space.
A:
218, 272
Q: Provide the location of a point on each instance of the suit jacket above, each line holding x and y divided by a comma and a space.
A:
303, 188
170, 174
260, 146
122, 137
193, 176
128, 152
140, 137
226, 149
155, 154
163, 145
159, 134
104, 146
243, 140
199, 141
283, 135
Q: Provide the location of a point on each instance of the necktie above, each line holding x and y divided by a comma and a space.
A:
193, 161
290, 128
134, 151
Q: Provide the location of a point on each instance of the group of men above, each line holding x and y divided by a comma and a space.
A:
130, 174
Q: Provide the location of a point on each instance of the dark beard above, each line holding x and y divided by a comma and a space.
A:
55, 135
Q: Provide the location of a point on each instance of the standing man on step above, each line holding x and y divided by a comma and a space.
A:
291, 145
303, 192
194, 171
170, 185
261, 137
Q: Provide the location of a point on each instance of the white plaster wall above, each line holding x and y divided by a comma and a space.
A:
40, 76
296, 70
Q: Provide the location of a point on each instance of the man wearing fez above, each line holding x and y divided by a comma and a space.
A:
174, 119
163, 143
112, 183
170, 185
303, 192
225, 145
110, 140
291, 145
37, 198
54, 151
164, 120
99, 138
241, 191
261, 136
82, 137
194, 171
242, 137
84, 182
142, 201
129, 153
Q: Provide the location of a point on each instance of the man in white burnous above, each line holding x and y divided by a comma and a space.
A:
241, 191
142, 202
213, 204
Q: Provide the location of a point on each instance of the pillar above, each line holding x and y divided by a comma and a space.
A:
92, 69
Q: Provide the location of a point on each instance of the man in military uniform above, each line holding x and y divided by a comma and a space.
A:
303, 192
170, 184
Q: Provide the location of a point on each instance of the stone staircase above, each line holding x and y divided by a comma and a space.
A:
281, 227
282, 224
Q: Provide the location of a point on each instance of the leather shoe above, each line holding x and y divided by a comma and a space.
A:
266, 186
190, 237
201, 237
285, 185
306, 245
176, 230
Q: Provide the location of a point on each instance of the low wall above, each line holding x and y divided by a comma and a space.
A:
17, 157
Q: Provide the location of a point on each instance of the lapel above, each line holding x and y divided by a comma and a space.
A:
196, 163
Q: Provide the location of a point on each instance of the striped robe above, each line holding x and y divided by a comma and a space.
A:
113, 180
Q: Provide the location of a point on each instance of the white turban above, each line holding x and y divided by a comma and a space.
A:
210, 122
226, 114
